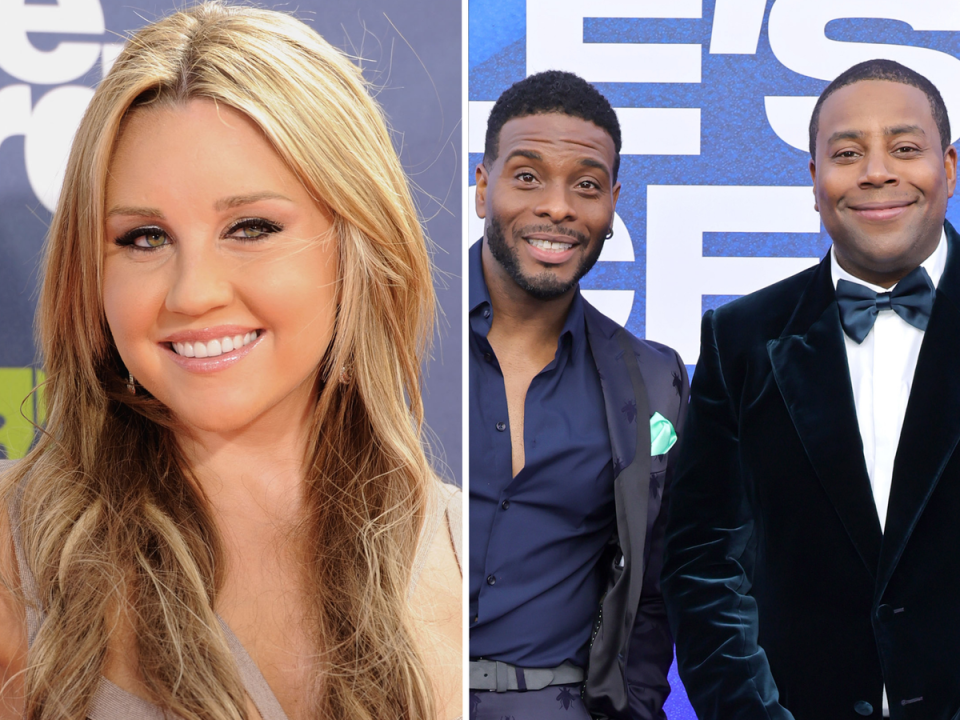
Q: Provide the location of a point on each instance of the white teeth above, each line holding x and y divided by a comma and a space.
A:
549, 245
213, 348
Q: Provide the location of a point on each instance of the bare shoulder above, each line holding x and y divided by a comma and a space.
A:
438, 610
13, 623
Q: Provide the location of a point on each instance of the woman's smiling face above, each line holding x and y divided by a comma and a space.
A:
220, 270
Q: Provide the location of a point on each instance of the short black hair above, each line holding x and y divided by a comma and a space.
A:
890, 71
552, 91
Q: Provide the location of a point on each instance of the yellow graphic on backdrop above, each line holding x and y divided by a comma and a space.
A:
20, 409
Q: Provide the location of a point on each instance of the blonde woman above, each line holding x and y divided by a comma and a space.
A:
229, 513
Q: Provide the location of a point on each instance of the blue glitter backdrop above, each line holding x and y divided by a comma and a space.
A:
714, 97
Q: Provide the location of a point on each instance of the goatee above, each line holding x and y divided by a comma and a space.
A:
544, 285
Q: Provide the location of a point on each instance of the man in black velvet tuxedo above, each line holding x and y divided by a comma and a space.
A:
813, 547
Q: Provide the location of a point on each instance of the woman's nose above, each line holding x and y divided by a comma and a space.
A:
199, 281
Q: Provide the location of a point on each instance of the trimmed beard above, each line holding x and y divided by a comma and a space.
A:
544, 285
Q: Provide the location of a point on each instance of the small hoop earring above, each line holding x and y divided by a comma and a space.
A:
608, 235
131, 384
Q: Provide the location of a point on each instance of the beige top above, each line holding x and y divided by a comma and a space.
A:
114, 703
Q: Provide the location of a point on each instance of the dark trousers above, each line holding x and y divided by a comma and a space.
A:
554, 701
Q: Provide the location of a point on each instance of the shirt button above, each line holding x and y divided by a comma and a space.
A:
501, 426
488, 357
505, 504
486, 312
491, 579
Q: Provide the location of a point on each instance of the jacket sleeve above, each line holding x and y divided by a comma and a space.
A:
710, 547
651, 644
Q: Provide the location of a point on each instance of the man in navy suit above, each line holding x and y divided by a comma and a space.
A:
813, 547
571, 423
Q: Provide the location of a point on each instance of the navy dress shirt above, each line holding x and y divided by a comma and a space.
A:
535, 539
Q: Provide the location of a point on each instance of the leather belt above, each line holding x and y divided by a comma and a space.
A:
503, 677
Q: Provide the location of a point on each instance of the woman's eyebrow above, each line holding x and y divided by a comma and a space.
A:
238, 200
222, 204
131, 210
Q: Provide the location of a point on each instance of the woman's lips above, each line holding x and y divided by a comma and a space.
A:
215, 346
215, 363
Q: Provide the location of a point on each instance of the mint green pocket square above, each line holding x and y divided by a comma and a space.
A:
662, 435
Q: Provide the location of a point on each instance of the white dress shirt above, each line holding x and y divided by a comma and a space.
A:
881, 374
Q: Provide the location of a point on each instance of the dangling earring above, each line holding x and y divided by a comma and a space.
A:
345, 375
131, 384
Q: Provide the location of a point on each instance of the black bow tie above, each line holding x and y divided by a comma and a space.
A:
912, 299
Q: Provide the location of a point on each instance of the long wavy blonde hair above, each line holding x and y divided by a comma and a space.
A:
109, 514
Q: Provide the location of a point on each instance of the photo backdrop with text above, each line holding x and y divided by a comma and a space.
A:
714, 99
53, 53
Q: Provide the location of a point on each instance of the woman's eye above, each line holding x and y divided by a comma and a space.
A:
253, 229
149, 238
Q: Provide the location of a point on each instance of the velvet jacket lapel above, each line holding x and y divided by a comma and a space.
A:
809, 364
931, 424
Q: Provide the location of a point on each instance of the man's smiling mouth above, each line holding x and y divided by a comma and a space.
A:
881, 211
550, 245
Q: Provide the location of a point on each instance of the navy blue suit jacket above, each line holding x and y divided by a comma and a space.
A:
632, 648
